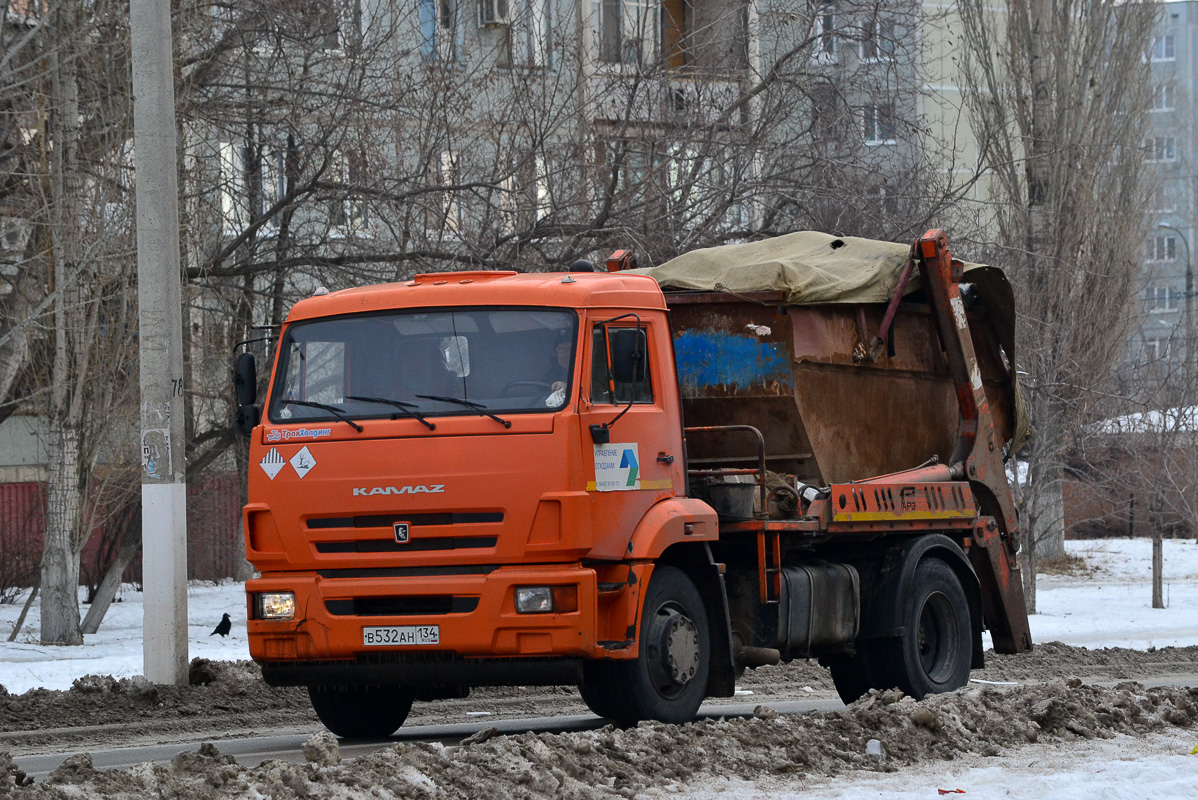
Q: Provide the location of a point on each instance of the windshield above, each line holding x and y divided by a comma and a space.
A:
425, 364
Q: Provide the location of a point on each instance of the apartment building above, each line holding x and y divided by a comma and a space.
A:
1172, 218
491, 131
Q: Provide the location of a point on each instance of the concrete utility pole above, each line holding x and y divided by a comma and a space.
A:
159, 294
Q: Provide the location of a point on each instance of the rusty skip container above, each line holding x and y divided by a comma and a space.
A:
777, 334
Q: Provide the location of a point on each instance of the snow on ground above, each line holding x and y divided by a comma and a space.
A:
1110, 608
116, 649
1113, 608
1123, 768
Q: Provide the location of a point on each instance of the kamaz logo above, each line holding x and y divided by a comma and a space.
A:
432, 488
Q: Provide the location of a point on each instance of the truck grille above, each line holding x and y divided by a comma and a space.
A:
415, 520
400, 606
409, 572
414, 545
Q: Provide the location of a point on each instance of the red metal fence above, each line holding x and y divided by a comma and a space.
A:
214, 544
22, 521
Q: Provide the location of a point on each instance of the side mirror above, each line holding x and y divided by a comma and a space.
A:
628, 347
245, 379
246, 419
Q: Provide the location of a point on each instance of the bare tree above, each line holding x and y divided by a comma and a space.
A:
68, 100
1059, 93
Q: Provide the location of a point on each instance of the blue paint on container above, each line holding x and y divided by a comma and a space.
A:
711, 358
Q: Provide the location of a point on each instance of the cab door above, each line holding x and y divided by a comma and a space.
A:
632, 435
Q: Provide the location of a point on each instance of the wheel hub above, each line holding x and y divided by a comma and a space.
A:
681, 640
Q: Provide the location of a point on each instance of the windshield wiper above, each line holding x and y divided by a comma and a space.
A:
405, 408
479, 407
336, 412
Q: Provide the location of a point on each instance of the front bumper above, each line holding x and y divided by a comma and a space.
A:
474, 609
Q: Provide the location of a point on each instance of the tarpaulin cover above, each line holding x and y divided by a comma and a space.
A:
813, 268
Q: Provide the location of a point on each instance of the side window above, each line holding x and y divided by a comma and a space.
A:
606, 390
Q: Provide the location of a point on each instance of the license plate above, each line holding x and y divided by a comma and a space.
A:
401, 635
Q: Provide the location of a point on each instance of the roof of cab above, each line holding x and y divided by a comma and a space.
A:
481, 288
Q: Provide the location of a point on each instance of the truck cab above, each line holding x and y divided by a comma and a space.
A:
449, 476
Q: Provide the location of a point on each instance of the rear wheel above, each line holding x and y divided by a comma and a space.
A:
667, 681
852, 675
361, 712
934, 653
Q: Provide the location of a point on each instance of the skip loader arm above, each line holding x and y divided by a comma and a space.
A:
977, 454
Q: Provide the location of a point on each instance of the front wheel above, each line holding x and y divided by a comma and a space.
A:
361, 712
934, 653
667, 681
599, 688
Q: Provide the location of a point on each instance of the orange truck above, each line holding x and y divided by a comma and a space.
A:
637, 482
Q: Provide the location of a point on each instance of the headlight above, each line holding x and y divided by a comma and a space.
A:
534, 599
546, 599
276, 605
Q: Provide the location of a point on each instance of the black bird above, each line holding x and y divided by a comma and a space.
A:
223, 626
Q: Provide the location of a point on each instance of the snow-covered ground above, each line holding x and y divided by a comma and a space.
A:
1110, 608
1113, 608
116, 648
1159, 767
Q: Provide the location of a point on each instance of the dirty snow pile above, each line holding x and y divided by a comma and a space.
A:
880, 733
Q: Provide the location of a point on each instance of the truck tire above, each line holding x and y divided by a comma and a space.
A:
361, 712
667, 681
853, 675
935, 651
597, 684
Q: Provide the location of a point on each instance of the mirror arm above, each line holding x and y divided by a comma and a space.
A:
251, 341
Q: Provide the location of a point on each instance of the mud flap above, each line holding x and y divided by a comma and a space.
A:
1002, 589
709, 579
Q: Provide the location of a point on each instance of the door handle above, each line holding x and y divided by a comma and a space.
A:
665, 458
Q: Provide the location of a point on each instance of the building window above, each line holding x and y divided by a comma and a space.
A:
347, 211
274, 183
1163, 48
1162, 248
627, 30
1162, 97
829, 113
825, 32
441, 31
677, 16
878, 39
879, 123
529, 35
525, 199
1156, 348
446, 216
1160, 148
242, 199
233, 206
340, 23
1160, 299
1162, 201
882, 202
